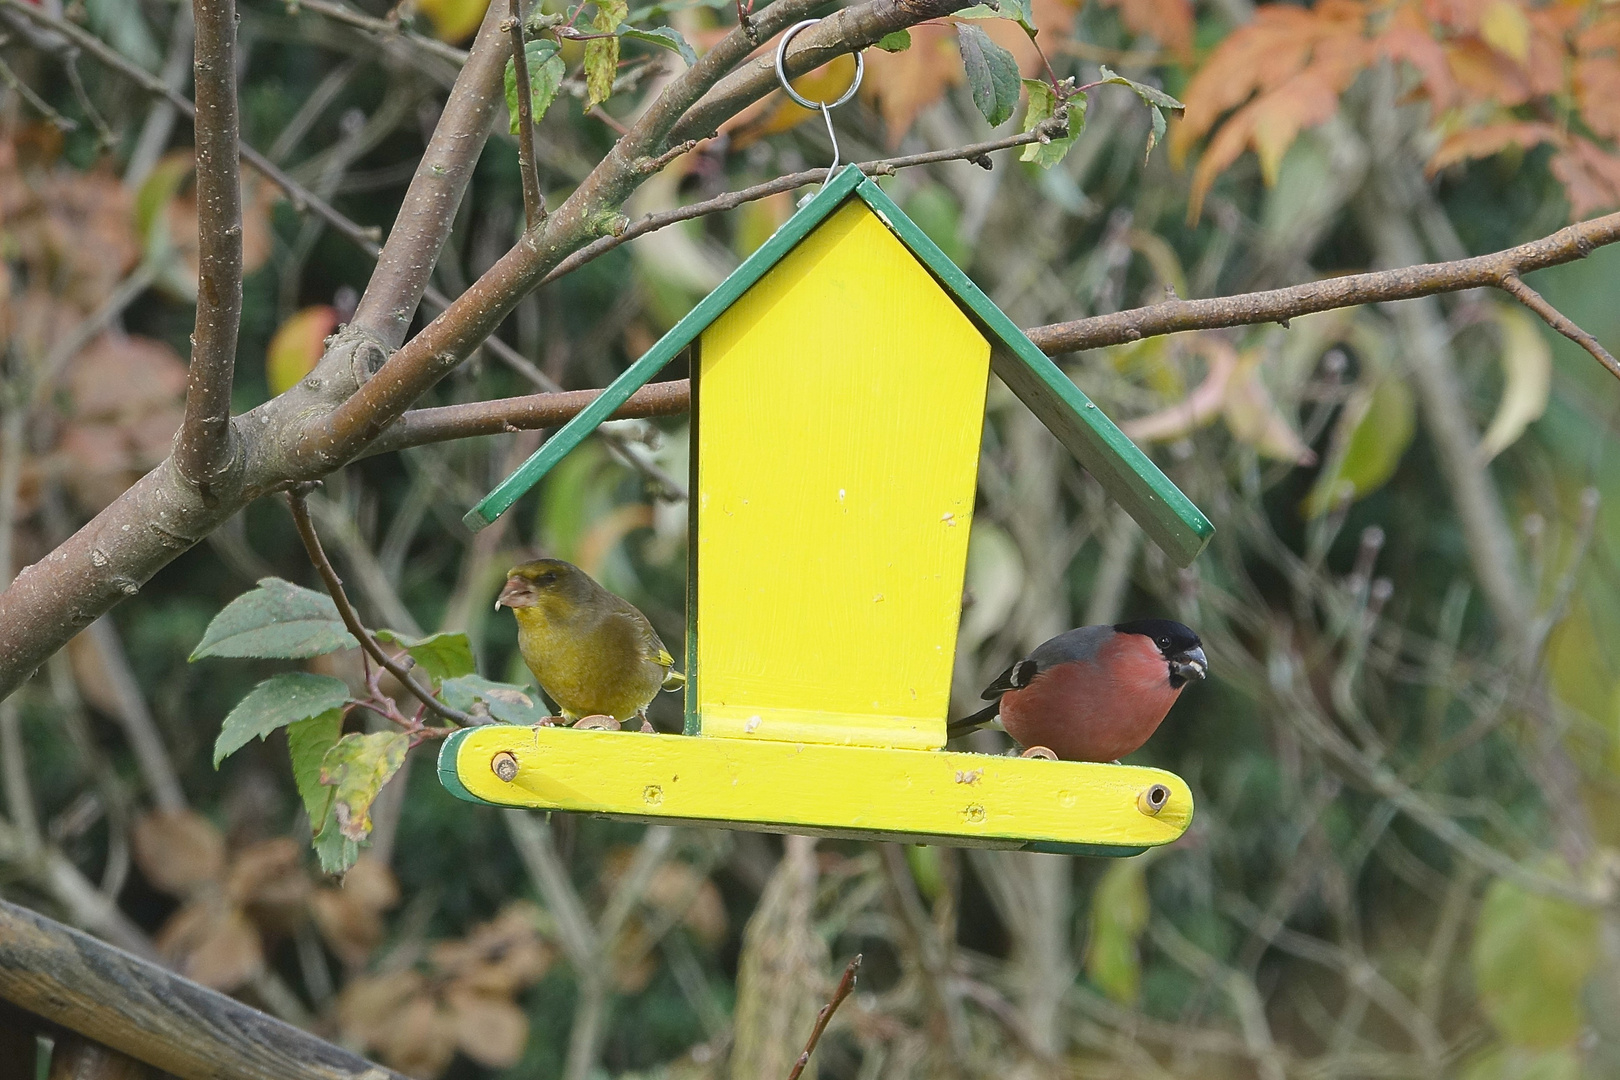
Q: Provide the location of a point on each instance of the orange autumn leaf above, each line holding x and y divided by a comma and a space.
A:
1167, 21
1590, 175
1493, 139
901, 85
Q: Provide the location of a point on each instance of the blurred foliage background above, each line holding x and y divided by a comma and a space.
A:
1407, 760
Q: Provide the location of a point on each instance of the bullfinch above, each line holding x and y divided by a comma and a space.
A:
592, 652
1096, 693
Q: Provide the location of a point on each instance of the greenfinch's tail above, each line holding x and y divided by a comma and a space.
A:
674, 680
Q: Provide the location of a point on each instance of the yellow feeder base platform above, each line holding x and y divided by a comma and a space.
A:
852, 792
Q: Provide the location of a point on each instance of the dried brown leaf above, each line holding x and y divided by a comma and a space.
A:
421, 1039
212, 942
490, 1029
179, 851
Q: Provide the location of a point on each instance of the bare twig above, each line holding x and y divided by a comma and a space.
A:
159, 123
846, 986
151, 755
534, 203
422, 426
1515, 287
204, 448
297, 500
978, 153
1280, 305
383, 28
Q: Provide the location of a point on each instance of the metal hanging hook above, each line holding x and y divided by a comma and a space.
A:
825, 107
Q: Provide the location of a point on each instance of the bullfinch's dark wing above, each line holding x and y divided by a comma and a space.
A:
1070, 646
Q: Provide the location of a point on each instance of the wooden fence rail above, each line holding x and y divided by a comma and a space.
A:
142, 1012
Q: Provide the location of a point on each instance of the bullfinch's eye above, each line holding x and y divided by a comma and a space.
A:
1164, 642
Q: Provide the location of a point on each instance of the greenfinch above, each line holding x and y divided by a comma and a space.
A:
592, 652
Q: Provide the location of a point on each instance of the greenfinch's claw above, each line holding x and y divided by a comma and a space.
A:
647, 728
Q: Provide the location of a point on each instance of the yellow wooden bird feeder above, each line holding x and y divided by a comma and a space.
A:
838, 391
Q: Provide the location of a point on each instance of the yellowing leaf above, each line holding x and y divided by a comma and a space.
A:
1368, 442
358, 766
296, 346
453, 20
1505, 28
602, 54
1527, 369
1119, 914
1531, 956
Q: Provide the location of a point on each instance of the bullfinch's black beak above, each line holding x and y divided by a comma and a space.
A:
1187, 666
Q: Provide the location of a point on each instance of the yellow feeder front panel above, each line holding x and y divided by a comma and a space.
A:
841, 400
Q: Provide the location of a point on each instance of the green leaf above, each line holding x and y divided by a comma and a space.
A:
357, 767
1043, 103
1160, 125
664, 36
307, 744
899, 41
336, 852
1157, 101
442, 656
1531, 957
278, 701
279, 620
1152, 95
927, 870
602, 54
1019, 11
546, 71
992, 74
1370, 438
507, 703
1119, 914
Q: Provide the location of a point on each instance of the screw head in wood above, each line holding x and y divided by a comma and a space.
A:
505, 765
1153, 799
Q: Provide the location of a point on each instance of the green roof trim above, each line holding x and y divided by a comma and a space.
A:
1168, 517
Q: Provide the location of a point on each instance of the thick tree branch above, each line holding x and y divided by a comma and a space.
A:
204, 449
429, 209
1280, 305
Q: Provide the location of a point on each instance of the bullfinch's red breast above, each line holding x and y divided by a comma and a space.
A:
1096, 693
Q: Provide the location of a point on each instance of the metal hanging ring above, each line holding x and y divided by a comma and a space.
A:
781, 72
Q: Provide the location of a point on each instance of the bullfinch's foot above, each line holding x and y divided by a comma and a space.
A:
1039, 752
597, 722
551, 721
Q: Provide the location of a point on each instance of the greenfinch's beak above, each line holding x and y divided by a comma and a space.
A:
518, 593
